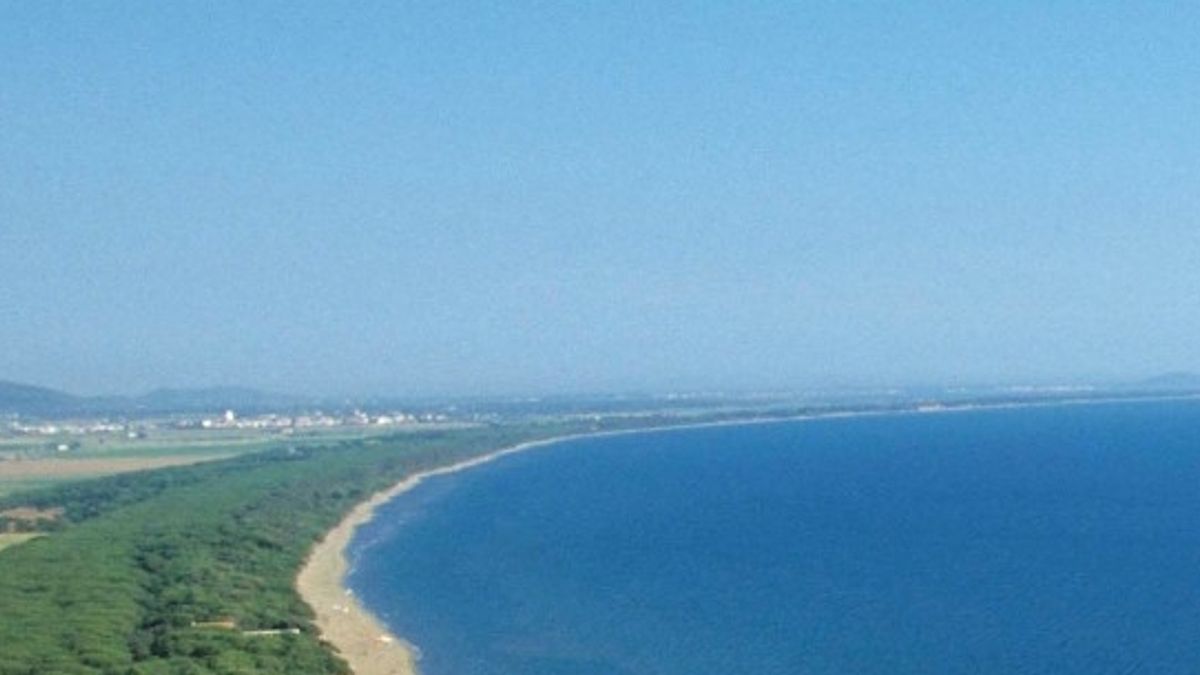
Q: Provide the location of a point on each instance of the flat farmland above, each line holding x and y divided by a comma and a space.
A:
32, 462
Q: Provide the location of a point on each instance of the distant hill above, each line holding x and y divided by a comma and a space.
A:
35, 401
29, 399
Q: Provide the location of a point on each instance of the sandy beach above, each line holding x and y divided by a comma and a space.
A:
360, 637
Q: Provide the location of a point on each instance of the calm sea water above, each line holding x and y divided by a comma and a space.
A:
1043, 540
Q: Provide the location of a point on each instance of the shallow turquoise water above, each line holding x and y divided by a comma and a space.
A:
1039, 540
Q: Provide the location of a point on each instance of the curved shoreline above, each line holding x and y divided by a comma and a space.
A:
367, 644
358, 635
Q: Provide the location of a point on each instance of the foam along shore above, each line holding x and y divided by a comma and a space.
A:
371, 649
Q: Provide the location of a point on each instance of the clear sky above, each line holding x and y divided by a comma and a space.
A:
515, 197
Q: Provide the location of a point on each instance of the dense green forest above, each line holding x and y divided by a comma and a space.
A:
136, 560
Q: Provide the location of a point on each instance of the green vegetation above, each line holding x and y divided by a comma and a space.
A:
169, 442
138, 558
29, 463
11, 485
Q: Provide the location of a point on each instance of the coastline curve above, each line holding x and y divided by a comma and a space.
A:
367, 644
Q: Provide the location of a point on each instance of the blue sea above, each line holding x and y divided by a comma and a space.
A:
1057, 540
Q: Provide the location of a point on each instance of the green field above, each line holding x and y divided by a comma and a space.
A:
167, 442
31, 463
9, 486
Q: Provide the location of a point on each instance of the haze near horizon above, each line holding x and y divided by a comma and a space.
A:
427, 198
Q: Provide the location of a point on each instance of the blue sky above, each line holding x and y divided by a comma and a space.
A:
519, 197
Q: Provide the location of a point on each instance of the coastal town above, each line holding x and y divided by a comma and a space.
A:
229, 419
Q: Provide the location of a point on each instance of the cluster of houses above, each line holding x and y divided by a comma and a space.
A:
74, 428
317, 420
283, 423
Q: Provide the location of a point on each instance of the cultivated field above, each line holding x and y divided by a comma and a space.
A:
7, 539
32, 462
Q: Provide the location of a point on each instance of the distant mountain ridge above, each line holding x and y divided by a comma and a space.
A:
15, 397
25, 399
